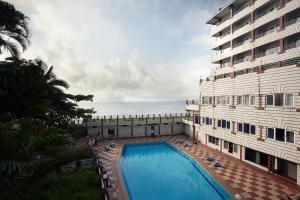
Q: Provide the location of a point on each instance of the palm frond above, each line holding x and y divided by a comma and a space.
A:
13, 49
59, 82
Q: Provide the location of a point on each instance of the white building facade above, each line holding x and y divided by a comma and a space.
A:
250, 106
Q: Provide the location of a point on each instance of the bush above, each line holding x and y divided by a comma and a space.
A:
77, 131
79, 185
55, 163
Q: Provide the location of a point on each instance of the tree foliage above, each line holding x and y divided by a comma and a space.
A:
37, 115
14, 30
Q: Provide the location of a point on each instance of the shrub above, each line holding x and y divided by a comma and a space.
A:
78, 185
55, 163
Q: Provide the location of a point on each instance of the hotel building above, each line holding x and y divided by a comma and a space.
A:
249, 107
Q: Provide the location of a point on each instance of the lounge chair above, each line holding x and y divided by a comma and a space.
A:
210, 158
107, 148
287, 197
217, 164
111, 145
179, 142
187, 145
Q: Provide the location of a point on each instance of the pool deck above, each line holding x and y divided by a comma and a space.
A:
236, 176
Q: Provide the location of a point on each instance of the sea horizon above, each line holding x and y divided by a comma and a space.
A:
114, 108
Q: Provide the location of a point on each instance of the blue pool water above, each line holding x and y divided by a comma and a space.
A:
160, 171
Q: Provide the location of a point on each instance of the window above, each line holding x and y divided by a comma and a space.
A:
290, 136
289, 99
246, 128
240, 100
207, 120
279, 99
210, 121
219, 123
228, 100
252, 100
218, 100
246, 100
210, 100
197, 119
235, 148
228, 124
223, 123
240, 127
204, 100
252, 129
270, 133
256, 157
279, 134
225, 145
213, 140
270, 99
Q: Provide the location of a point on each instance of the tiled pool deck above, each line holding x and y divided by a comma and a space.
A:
236, 176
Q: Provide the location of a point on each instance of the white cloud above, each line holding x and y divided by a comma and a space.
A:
92, 52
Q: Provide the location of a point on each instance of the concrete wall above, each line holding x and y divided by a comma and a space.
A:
136, 127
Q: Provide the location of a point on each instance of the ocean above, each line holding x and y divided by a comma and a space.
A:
135, 108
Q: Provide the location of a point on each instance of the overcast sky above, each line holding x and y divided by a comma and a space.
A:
124, 50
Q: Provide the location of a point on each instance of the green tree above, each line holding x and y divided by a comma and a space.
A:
14, 31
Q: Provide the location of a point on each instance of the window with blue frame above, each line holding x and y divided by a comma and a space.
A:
223, 123
228, 124
270, 133
280, 134
252, 129
246, 128
219, 123
197, 119
240, 127
207, 120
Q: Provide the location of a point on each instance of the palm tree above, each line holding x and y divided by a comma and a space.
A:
14, 30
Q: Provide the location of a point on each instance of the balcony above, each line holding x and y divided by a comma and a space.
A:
261, 19
267, 49
267, 29
241, 23
292, 41
265, 9
192, 105
242, 13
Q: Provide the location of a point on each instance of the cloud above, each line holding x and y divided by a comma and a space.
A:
89, 46
202, 40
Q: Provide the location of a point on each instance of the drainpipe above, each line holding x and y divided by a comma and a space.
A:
194, 134
117, 125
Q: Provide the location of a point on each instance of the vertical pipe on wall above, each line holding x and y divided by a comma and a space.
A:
102, 135
146, 126
117, 126
131, 126
159, 124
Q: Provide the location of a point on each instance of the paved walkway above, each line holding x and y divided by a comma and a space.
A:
238, 177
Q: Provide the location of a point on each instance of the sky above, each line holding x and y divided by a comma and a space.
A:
124, 50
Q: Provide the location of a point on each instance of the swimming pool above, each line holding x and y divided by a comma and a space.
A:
160, 171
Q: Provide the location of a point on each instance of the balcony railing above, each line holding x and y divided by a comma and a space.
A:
292, 45
266, 10
241, 43
267, 52
240, 60
271, 30
292, 21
